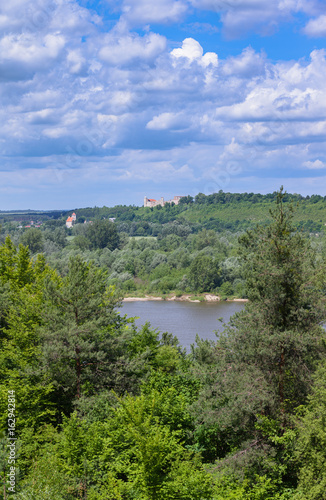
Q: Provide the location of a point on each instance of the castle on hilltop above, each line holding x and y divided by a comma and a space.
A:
150, 202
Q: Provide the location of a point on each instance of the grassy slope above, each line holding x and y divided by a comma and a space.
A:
245, 212
257, 212
240, 214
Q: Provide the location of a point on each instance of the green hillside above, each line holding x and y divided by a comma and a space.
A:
219, 211
310, 215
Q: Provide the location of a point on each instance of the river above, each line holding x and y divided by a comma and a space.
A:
183, 319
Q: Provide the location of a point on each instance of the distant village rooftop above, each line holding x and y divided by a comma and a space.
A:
71, 220
150, 202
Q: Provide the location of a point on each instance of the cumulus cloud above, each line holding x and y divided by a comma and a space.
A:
45, 116
249, 64
36, 39
314, 165
43, 16
76, 62
22, 55
122, 49
166, 121
295, 92
316, 27
140, 12
191, 50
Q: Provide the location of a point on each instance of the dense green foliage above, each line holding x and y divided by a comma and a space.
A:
204, 228
310, 452
106, 410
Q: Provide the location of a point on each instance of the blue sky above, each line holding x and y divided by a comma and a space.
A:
105, 102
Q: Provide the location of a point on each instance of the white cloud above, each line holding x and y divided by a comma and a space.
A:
166, 121
43, 116
26, 49
241, 16
140, 12
38, 99
55, 133
191, 50
121, 49
249, 63
76, 61
316, 27
290, 92
314, 165
43, 16
21, 55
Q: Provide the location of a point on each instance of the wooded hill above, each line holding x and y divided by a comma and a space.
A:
218, 211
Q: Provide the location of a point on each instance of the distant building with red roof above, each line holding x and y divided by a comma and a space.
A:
69, 222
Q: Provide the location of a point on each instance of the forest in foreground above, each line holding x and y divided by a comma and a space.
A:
104, 410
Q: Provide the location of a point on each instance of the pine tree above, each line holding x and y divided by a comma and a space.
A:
80, 335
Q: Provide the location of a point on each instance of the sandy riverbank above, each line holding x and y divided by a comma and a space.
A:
183, 298
140, 299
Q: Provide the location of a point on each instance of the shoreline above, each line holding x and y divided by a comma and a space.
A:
183, 298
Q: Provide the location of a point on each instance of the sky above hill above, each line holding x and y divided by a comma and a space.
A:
105, 102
